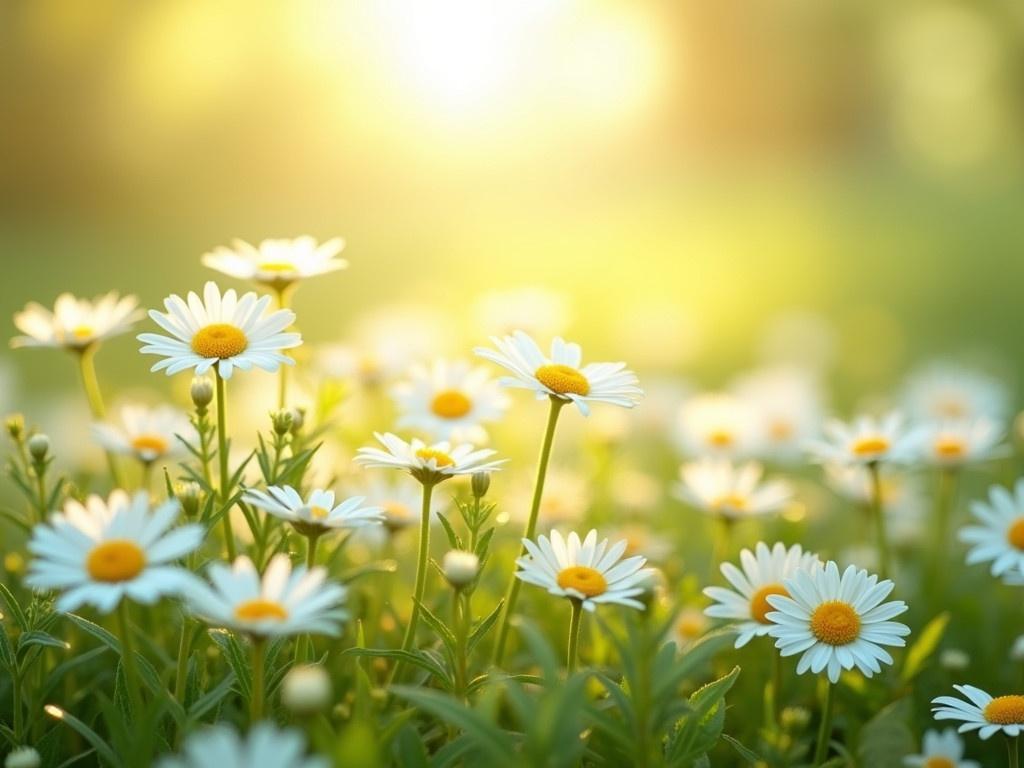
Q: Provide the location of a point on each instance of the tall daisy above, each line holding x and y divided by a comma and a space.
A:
718, 487
588, 572
941, 749
717, 424
982, 712
266, 745
449, 401
788, 405
943, 391
953, 444
999, 539
74, 323
277, 264
146, 434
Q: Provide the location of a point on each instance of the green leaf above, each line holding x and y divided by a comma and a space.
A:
484, 626
87, 733
40, 638
439, 627
924, 646
13, 607
453, 538
96, 631
211, 698
747, 754
236, 659
416, 658
887, 738
700, 730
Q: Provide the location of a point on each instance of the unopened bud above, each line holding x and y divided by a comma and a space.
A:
39, 446
298, 418
480, 483
201, 392
188, 494
306, 689
282, 421
15, 426
23, 757
954, 660
460, 567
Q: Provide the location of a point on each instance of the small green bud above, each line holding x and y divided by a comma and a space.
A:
282, 421
39, 446
201, 392
480, 484
298, 418
15, 426
188, 493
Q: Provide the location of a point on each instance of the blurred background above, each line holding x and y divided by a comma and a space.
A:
693, 182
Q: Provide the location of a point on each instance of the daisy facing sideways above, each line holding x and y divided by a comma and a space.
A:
586, 571
318, 513
265, 745
102, 551
717, 424
220, 330
865, 440
562, 375
941, 749
982, 712
836, 621
764, 571
449, 401
718, 487
943, 391
999, 539
957, 443
148, 434
284, 601
427, 463
75, 323
277, 264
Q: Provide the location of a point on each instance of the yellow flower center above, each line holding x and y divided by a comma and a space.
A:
583, 579
951, 408
733, 501
1005, 710
835, 623
780, 430
81, 332
451, 404
396, 511
691, 625
149, 444
1015, 533
721, 438
219, 340
939, 762
874, 445
563, 379
949, 447
260, 610
318, 513
115, 560
276, 266
759, 605
441, 458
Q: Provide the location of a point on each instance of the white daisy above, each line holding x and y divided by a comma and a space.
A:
763, 574
265, 745
717, 424
400, 502
285, 601
718, 487
866, 441
960, 442
836, 622
427, 463
982, 712
789, 408
318, 513
225, 331
587, 571
449, 401
277, 263
148, 434
941, 749
943, 391
75, 323
102, 551
1000, 537
561, 375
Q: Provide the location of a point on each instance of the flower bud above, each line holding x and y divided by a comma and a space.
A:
460, 567
298, 418
480, 483
794, 718
188, 493
306, 689
15, 424
23, 757
39, 446
282, 421
201, 392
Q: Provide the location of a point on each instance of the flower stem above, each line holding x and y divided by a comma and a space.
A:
421, 574
574, 635
281, 294
878, 512
773, 693
531, 525
945, 498
460, 626
222, 456
1013, 752
722, 543
94, 395
825, 726
131, 673
258, 682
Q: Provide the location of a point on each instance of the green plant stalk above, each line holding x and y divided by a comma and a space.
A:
304, 643
825, 726
281, 293
131, 672
878, 512
39, 470
222, 456
722, 543
531, 526
575, 622
258, 680
1013, 752
774, 692
181, 672
945, 498
94, 395
421, 573
16, 706
460, 626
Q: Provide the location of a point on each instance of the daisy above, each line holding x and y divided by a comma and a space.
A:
449, 401
588, 572
561, 376
277, 263
318, 513
102, 551
788, 407
956, 443
717, 424
836, 622
285, 601
982, 712
75, 323
866, 441
764, 571
220, 330
943, 391
941, 749
148, 434
718, 487
427, 463
265, 745
1000, 537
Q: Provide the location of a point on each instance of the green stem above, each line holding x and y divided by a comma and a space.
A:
943, 509
131, 673
281, 294
222, 456
825, 726
421, 574
574, 635
1013, 752
311, 542
258, 682
878, 512
39, 469
147, 476
460, 625
531, 525
16, 702
722, 543
774, 691
94, 395
181, 673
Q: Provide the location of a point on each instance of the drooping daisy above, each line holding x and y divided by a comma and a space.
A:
943, 391
148, 434
956, 443
982, 712
76, 323
265, 745
285, 601
587, 571
836, 622
941, 749
1000, 537
717, 424
560, 375
449, 401
103, 551
316, 514
277, 263
788, 405
427, 463
220, 330
866, 441
763, 574
718, 487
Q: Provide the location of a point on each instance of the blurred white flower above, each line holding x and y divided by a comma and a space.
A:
999, 539
148, 434
789, 409
946, 392
265, 746
865, 440
76, 323
717, 424
718, 487
277, 263
954, 443
940, 749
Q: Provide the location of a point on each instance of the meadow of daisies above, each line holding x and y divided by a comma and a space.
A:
685, 577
